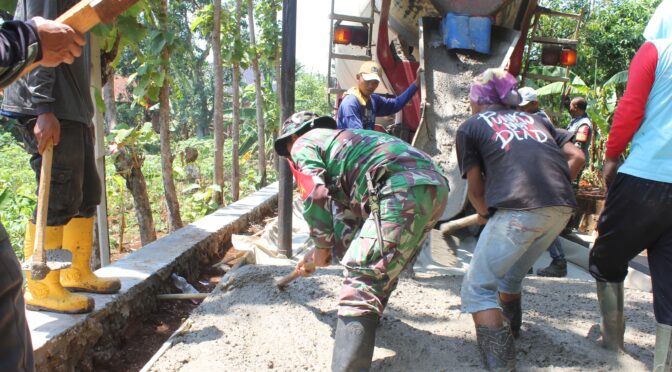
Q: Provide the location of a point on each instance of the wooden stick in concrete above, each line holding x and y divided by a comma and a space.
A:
230, 258
182, 296
184, 328
453, 226
285, 280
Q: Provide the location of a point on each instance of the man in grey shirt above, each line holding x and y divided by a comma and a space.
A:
54, 105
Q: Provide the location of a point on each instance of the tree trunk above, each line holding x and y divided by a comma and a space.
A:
172, 203
218, 120
261, 140
278, 72
235, 159
235, 125
107, 79
110, 104
129, 166
136, 184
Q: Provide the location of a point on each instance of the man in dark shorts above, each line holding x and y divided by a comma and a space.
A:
54, 105
638, 211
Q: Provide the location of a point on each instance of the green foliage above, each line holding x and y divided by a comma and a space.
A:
311, 93
611, 35
233, 31
269, 29
8, 5
17, 190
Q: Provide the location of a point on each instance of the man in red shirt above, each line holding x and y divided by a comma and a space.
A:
638, 211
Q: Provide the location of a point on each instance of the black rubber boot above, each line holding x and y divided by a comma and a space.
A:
557, 269
353, 344
497, 348
662, 359
514, 313
610, 297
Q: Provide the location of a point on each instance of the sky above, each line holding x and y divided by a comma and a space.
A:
312, 34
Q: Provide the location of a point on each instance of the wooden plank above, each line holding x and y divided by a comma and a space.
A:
554, 40
547, 78
354, 57
349, 18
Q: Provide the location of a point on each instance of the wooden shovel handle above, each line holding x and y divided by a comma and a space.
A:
450, 227
43, 203
285, 280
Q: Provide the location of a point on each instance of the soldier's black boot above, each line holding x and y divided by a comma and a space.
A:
557, 269
497, 348
353, 344
514, 313
610, 297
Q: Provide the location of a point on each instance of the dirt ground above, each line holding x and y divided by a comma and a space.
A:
145, 336
247, 324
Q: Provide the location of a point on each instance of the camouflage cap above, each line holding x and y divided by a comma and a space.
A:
301, 121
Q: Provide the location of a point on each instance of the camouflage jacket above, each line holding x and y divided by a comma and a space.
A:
335, 163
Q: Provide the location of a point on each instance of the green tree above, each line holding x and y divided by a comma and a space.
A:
172, 202
219, 101
237, 57
259, 100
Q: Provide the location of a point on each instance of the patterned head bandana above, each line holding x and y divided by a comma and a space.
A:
660, 25
494, 86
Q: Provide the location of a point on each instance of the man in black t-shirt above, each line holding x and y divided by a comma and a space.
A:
518, 168
558, 266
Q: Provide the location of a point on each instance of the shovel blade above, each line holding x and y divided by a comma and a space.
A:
57, 259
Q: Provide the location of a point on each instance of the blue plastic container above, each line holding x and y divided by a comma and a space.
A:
465, 32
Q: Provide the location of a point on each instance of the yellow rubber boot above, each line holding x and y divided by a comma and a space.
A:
48, 294
78, 239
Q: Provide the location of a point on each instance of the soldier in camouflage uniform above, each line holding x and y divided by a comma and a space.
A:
394, 194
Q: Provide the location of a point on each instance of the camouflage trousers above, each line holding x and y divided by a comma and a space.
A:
371, 273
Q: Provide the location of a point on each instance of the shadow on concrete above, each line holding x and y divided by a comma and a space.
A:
209, 333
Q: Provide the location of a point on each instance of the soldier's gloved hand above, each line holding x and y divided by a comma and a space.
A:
314, 258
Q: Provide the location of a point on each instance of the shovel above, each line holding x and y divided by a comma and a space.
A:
42, 262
